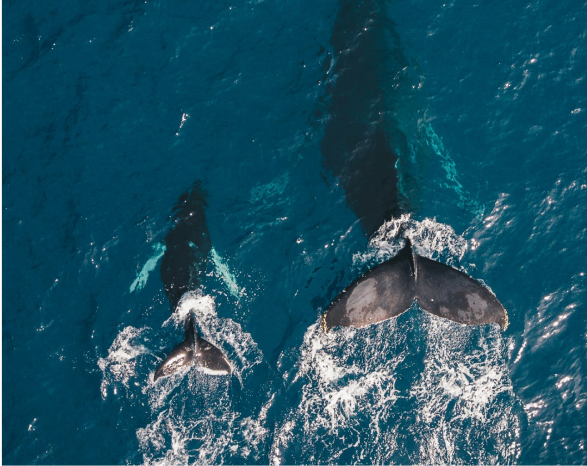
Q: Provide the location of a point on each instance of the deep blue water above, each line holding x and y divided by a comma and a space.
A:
112, 109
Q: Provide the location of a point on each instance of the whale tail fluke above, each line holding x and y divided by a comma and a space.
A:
391, 288
449, 293
194, 351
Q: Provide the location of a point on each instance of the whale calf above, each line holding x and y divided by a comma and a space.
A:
183, 265
360, 148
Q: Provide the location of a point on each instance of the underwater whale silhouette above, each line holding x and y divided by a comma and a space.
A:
184, 263
360, 148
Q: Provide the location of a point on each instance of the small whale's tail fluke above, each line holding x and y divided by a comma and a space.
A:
390, 289
194, 351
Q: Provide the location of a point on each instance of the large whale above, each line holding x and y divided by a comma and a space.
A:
183, 265
360, 148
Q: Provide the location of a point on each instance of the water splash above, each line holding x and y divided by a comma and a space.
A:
119, 367
200, 425
346, 381
226, 334
465, 392
193, 413
430, 238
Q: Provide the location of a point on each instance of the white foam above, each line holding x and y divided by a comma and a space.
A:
465, 389
201, 305
226, 334
430, 239
347, 382
342, 379
348, 391
205, 370
119, 367
198, 423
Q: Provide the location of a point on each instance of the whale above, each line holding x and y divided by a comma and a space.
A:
361, 148
183, 266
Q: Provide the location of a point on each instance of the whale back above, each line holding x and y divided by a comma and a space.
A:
187, 244
361, 140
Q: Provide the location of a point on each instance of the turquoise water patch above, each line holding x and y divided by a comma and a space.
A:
273, 188
225, 274
142, 277
452, 176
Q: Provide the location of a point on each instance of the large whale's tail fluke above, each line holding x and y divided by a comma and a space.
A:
390, 289
194, 351
449, 293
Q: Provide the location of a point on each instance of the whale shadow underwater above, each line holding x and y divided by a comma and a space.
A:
360, 149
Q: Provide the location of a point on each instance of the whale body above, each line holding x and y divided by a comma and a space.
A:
183, 265
360, 148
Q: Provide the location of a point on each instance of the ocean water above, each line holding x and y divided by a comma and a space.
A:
112, 109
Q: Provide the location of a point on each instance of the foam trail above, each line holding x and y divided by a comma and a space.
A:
238, 345
119, 367
465, 393
415, 389
346, 382
200, 426
195, 419
141, 280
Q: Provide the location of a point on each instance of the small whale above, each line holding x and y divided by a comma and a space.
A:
360, 148
183, 265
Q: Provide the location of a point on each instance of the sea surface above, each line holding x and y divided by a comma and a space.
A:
112, 109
